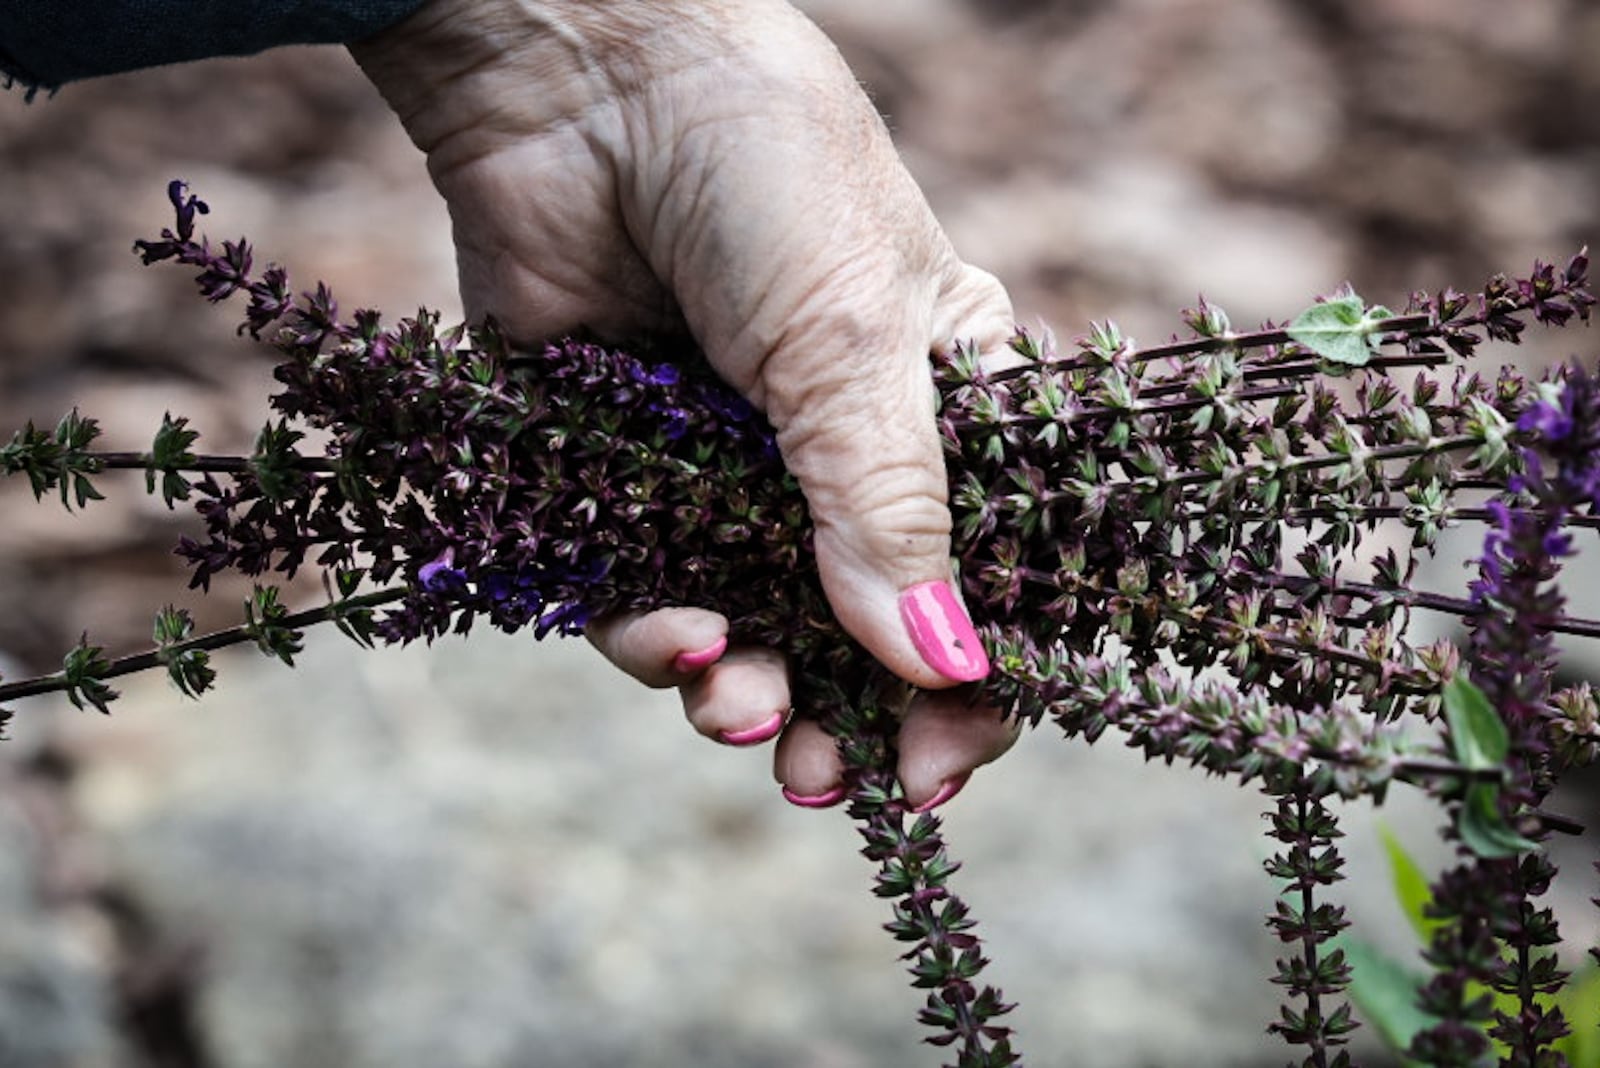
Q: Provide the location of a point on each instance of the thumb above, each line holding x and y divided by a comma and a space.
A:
854, 407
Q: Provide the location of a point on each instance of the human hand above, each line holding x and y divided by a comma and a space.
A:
711, 167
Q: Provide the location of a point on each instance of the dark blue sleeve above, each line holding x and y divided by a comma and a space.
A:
44, 43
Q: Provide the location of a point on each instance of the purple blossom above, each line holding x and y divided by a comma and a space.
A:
728, 405
439, 575
677, 422
270, 300
568, 619
499, 586
1557, 543
1551, 422
662, 374
185, 208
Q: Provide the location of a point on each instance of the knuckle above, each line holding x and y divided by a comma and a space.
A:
974, 306
893, 515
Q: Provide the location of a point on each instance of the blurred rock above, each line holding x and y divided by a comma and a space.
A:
490, 854
57, 1007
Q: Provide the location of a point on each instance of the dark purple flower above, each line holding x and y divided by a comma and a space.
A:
499, 586
1557, 543
1498, 530
270, 300
440, 576
568, 619
187, 207
222, 274
730, 406
1551, 422
588, 573
662, 374
677, 423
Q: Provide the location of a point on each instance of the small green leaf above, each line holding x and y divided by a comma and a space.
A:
83, 490
1385, 991
264, 616
1484, 830
168, 453
1343, 330
357, 625
274, 461
172, 625
191, 672
1410, 884
1478, 738
82, 669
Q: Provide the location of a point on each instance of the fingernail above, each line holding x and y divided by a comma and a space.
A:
755, 735
688, 663
827, 800
942, 632
950, 788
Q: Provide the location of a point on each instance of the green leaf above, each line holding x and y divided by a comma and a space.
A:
74, 432
273, 462
188, 669
1385, 991
172, 625
1580, 1004
83, 490
1410, 884
1342, 330
357, 625
191, 672
1477, 736
264, 616
82, 670
1484, 830
168, 453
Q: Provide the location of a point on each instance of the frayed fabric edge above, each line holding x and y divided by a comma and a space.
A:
13, 77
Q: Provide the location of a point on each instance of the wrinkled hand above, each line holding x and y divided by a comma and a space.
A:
711, 166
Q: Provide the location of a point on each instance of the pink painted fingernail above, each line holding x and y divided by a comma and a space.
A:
942, 632
689, 663
755, 735
950, 788
827, 800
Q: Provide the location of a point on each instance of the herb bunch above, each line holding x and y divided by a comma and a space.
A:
1209, 545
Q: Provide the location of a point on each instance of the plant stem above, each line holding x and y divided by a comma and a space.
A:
1308, 943
1378, 454
232, 465
1422, 770
1389, 511
1285, 648
1437, 602
1421, 325
219, 639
